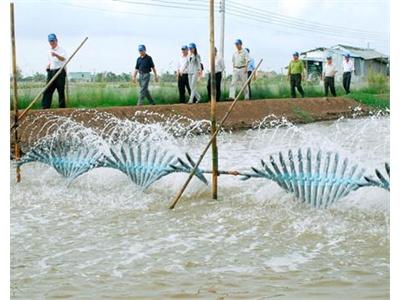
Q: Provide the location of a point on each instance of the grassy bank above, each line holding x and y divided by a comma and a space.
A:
91, 95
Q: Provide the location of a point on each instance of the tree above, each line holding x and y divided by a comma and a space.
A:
19, 75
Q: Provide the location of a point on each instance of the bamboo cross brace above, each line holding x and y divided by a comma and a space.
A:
48, 84
227, 114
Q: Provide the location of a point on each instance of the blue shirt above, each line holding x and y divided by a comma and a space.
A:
251, 66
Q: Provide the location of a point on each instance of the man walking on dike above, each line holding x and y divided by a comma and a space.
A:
329, 76
144, 65
219, 69
182, 74
250, 68
57, 58
240, 60
348, 68
296, 74
194, 71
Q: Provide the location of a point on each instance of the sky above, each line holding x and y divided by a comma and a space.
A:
271, 29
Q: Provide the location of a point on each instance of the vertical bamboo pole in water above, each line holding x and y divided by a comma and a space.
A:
214, 185
15, 96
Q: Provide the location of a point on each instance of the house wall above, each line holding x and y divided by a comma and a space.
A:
375, 67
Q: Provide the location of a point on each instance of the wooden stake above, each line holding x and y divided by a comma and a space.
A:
15, 89
214, 184
227, 114
49, 83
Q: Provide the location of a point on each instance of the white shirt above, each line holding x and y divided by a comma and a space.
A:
330, 70
219, 64
240, 58
348, 66
54, 62
183, 64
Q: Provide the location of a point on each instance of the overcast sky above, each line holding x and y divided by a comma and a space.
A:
115, 28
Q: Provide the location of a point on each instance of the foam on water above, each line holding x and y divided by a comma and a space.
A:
102, 237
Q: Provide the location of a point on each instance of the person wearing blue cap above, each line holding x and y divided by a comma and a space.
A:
250, 68
144, 65
194, 71
57, 57
296, 74
240, 60
348, 68
328, 76
182, 74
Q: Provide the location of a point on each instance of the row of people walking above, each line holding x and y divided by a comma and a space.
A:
296, 75
190, 68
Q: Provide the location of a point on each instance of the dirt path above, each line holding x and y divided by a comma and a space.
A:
244, 115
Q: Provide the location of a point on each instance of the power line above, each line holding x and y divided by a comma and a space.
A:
295, 20
266, 17
268, 20
121, 12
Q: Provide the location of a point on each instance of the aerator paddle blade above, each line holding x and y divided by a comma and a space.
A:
318, 180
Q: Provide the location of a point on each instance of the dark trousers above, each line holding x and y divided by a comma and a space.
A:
218, 79
58, 84
329, 82
295, 82
183, 82
248, 75
346, 81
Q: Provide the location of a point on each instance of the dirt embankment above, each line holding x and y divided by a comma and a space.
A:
243, 116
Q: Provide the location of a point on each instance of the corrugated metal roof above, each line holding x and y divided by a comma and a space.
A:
364, 53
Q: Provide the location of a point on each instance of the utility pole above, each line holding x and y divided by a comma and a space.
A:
15, 90
222, 33
214, 185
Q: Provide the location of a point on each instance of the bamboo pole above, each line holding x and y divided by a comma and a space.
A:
49, 83
214, 184
15, 89
227, 114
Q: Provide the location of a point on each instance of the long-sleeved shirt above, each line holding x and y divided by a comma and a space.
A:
240, 59
183, 64
329, 70
295, 67
348, 66
194, 64
54, 62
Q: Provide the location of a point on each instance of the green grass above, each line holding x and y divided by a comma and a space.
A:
380, 101
302, 114
91, 95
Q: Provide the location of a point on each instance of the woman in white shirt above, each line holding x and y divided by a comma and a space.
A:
194, 71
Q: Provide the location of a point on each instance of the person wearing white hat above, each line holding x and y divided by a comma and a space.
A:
240, 61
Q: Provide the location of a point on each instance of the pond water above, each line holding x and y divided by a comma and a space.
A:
101, 237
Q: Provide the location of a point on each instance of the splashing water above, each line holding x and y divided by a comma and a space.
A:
102, 237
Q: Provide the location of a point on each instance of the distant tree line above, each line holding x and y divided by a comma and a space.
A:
97, 77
